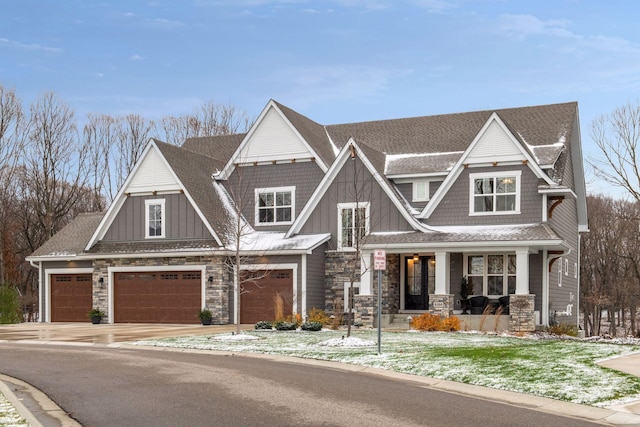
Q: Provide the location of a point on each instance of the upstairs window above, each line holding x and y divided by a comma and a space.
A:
421, 191
494, 193
353, 224
275, 205
154, 218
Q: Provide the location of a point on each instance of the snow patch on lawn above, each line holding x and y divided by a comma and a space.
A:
347, 342
234, 337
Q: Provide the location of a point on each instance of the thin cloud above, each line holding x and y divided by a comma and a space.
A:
163, 23
135, 57
28, 46
527, 25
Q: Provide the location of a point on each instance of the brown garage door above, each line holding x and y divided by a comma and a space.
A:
157, 297
257, 300
71, 297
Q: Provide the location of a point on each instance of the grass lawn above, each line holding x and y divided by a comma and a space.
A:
559, 369
9, 416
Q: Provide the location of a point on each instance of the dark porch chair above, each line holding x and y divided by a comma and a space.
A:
478, 303
504, 303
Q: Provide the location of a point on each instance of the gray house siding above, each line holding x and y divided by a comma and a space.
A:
406, 190
315, 279
384, 214
181, 219
243, 182
454, 207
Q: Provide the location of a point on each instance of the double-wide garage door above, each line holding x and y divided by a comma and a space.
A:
258, 298
157, 297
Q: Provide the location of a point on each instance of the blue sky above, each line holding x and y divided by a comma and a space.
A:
335, 61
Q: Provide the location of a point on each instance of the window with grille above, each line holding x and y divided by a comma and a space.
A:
275, 205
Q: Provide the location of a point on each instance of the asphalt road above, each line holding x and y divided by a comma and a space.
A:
102, 386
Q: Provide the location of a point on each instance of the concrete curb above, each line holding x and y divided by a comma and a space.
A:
34, 405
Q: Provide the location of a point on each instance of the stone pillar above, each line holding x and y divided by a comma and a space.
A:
364, 310
521, 311
442, 304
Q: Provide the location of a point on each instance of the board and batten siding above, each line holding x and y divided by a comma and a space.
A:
315, 279
384, 214
453, 209
181, 219
406, 190
304, 176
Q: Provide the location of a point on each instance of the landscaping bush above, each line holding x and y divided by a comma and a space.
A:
563, 329
10, 311
318, 315
264, 324
433, 322
311, 326
285, 326
294, 318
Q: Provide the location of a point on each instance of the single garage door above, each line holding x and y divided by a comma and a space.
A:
257, 302
157, 297
71, 297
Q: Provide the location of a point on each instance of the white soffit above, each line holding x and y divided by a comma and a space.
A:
274, 139
495, 145
153, 174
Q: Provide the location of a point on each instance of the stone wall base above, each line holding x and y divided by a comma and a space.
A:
442, 305
521, 309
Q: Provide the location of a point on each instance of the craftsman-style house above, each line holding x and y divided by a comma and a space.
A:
496, 198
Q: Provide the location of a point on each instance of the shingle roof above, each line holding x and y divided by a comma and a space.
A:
72, 239
155, 246
220, 147
314, 133
466, 234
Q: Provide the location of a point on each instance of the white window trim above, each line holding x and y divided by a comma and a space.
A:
274, 190
566, 267
485, 270
163, 221
415, 185
480, 175
352, 205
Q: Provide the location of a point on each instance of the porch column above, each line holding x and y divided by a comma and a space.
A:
442, 273
366, 275
522, 271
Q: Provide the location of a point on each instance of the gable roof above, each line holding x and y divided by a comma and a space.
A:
70, 240
193, 173
219, 147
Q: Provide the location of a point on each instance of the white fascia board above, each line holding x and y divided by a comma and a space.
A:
485, 246
558, 190
456, 170
410, 177
118, 201
230, 166
115, 207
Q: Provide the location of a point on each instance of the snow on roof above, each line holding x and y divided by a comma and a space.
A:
265, 241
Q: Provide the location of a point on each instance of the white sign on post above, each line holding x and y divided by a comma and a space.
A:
379, 259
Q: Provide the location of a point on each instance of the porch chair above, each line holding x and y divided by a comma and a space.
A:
504, 303
478, 303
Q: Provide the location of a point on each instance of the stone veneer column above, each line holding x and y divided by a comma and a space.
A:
442, 305
521, 311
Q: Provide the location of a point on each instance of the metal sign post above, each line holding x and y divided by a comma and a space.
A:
379, 264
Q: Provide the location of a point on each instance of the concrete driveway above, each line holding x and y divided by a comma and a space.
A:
103, 333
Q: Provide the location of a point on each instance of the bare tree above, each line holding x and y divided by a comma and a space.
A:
209, 119
100, 135
617, 135
12, 139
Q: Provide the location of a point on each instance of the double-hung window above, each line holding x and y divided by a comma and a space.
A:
275, 205
154, 218
492, 274
353, 223
494, 193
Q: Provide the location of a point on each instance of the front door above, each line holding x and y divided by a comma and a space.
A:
419, 282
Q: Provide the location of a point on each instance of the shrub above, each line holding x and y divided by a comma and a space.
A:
433, 322
450, 324
264, 324
318, 315
426, 322
10, 311
311, 326
285, 326
294, 318
563, 329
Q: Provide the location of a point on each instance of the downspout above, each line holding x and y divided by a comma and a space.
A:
40, 290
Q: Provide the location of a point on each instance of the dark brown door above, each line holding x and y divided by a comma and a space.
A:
71, 297
258, 298
157, 297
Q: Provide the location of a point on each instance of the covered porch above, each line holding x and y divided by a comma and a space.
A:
508, 276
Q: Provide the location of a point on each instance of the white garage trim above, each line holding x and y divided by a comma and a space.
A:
155, 268
47, 284
268, 267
